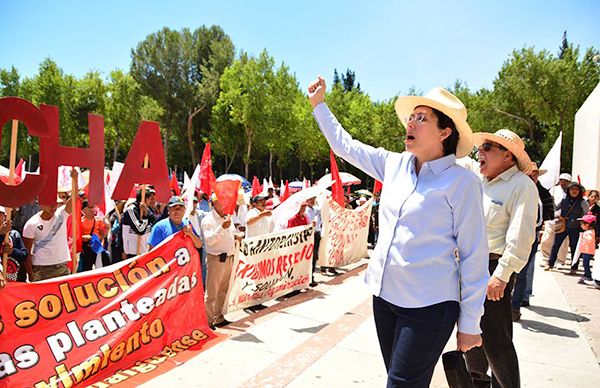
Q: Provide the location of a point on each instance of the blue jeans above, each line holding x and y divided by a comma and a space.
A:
412, 339
573, 234
522, 279
587, 272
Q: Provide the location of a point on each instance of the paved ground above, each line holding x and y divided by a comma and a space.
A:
325, 337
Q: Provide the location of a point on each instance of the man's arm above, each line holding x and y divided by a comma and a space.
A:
522, 208
252, 220
28, 266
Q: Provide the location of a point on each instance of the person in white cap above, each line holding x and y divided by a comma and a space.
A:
430, 209
510, 201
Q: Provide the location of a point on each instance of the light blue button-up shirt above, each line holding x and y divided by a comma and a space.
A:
424, 220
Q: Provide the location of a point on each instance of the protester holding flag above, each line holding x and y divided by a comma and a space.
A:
430, 209
45, 238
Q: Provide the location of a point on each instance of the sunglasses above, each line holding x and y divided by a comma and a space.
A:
488, 146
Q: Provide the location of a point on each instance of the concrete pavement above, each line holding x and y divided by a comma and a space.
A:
325, 337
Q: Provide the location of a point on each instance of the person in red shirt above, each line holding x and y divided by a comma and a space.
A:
91, 225
300, 218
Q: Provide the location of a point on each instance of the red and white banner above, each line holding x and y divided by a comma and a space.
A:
271, 265
344, 234
121, 324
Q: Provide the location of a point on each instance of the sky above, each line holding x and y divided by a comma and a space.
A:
390, 45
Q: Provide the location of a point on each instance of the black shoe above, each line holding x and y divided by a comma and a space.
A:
313, 284
525, 303
333, 271
223, 323
323, 271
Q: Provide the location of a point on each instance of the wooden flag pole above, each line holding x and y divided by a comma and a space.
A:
74, 190
143, 199
11, 181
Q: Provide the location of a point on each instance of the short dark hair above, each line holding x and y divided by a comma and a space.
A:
450, 143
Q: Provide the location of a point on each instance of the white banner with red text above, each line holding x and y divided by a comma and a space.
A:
344, 234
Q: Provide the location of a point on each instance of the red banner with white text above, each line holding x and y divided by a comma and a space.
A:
119, 324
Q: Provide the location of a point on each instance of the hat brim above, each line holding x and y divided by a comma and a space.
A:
523, 160
406, 105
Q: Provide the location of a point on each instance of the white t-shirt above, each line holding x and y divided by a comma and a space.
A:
49, 238
260, 227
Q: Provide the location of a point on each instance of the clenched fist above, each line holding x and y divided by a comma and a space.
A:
316, 91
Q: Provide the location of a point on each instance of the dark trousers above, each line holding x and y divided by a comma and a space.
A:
412, 339
498, 351
573, 234
522, 278
316, 251
587, 271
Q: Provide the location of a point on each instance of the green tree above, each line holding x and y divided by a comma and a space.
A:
126, 106
181, 71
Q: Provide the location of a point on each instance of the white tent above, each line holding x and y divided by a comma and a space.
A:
586, 142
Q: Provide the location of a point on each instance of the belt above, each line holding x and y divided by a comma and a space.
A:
217, 255
495, 256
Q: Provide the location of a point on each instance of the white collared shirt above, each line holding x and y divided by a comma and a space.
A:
423, 220
218, 240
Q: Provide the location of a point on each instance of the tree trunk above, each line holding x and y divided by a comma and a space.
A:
270, 164
248, 152
228, 164
116, 148
189, 132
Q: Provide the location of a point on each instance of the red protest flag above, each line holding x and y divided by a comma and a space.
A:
207, 176
286, 192
337, 191
227, 195
19, 169
378, 187
256, 188
173, 185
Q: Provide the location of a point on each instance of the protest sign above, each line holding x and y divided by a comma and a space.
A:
269, 266
108, 326
344, 234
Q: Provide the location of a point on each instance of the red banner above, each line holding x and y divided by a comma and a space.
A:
120, 324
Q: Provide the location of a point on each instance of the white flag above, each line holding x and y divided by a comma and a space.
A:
552, 165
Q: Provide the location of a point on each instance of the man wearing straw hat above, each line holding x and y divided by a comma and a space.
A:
510, 201
524, 281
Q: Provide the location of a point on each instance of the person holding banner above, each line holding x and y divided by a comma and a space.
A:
45, 238
219, 235
176, 222
431, 209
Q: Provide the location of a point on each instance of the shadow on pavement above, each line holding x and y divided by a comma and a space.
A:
247, 337
541, 327
312, 329
551, 312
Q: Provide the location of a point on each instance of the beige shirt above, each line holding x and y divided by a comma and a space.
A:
510, 205
218, 240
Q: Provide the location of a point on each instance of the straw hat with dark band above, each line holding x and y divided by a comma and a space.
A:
509, 140
447, 103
